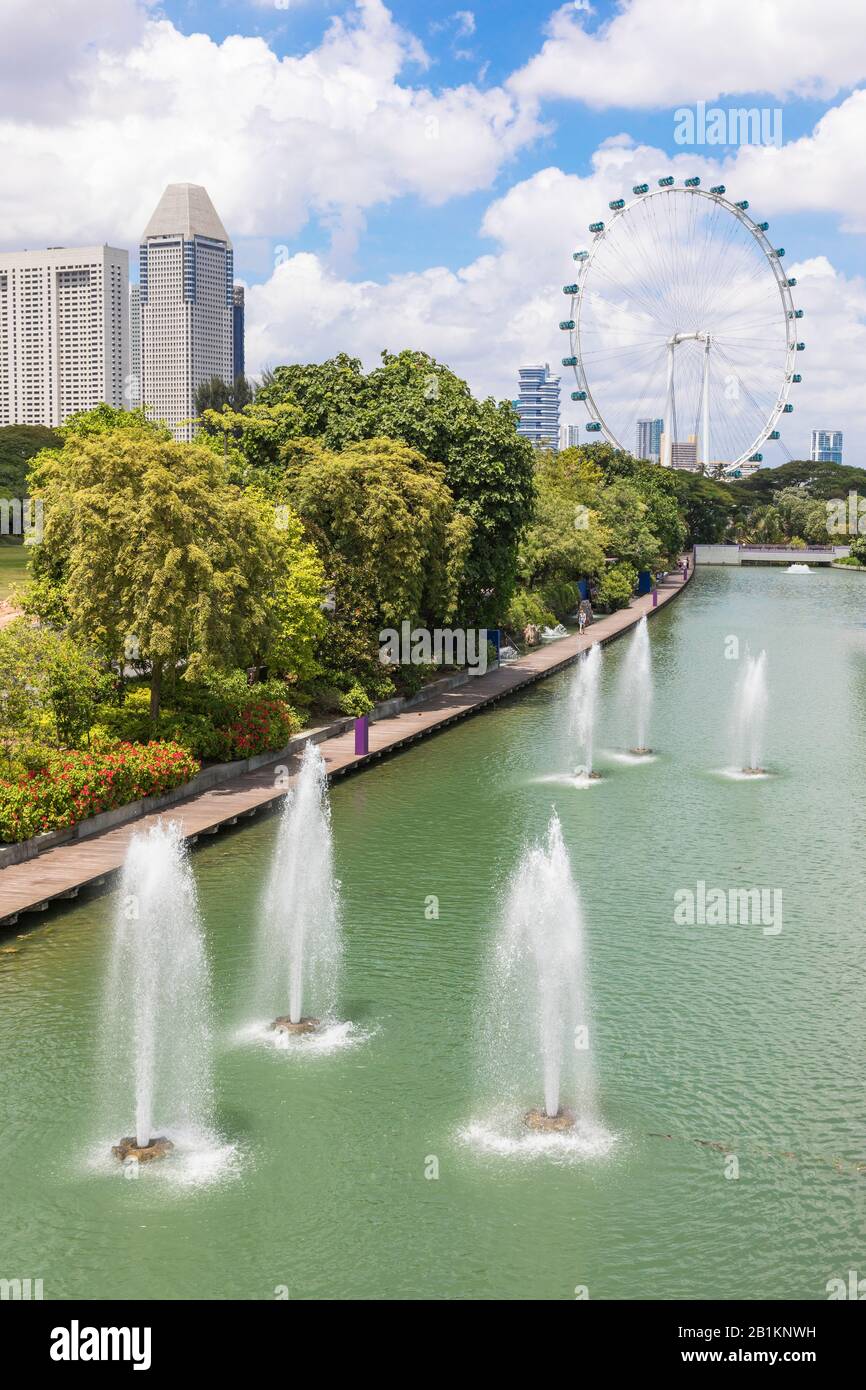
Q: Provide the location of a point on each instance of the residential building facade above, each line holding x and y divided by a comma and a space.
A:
826, 446
64, 332
538, 406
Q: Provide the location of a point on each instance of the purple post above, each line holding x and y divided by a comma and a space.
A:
362, 735
655, 598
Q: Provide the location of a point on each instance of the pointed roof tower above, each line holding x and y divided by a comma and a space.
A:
185, 209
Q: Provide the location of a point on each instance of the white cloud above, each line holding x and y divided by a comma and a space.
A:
50, 51
662, 52
331, 133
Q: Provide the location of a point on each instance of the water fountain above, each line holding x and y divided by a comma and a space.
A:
537, 1023
583, 706
300, 943
156, 1031
636, 690
798, 569
750, 712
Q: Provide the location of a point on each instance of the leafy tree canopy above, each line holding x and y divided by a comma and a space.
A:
413, 398
150, 548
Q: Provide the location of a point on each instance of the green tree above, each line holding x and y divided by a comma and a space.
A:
385, 524
218, 395
47, 675
18, 445
155, 553
415, 399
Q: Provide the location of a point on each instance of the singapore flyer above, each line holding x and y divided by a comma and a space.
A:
683, 333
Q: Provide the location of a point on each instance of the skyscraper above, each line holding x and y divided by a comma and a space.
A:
538, 406
826, 446
649, 439
64, 332
133, 385
186, 284
569, 436
238, 354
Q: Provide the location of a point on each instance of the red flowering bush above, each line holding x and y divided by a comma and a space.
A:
260, 725
67, 787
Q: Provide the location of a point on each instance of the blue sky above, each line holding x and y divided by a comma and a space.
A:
417, 174
403, 235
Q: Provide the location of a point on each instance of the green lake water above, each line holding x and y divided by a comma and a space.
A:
743, 1040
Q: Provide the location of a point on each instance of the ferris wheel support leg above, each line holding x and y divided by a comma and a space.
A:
667, 427
706, 405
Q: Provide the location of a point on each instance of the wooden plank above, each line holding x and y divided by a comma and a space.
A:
59, 873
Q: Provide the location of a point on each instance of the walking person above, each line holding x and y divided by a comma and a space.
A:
581, 621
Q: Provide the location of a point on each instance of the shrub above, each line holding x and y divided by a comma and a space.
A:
356, 701
64, 788
528, 607
616, 588
260, 725
225, 718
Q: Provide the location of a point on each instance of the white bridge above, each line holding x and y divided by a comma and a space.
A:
769, 554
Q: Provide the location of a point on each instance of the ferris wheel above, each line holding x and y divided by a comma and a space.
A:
682, 328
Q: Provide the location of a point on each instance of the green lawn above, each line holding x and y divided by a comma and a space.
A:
13, 565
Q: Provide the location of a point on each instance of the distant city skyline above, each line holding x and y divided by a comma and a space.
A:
436, 206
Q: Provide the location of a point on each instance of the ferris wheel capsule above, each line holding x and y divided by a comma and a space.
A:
756, 458
617, 204
569, 289
795, 313
774, 434
762, 226
792, 281
691, 183
593, 426
569, 361
641, 188
796, 377
788, 409
579, 255
667, 181
743, 205
566, 323
578, 395
718, 189
779, 252
596, 227
801, 347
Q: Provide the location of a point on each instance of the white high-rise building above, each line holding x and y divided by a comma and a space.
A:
133, 387
569, 436
186, 290
826, 446
64, 332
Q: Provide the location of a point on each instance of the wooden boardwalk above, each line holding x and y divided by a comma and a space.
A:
62, 872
